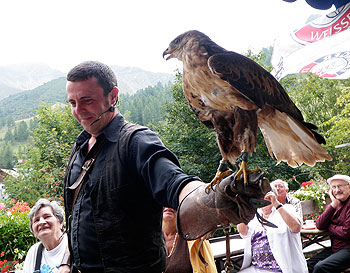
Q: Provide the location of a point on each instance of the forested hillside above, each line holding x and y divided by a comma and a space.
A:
24, 105
145, 107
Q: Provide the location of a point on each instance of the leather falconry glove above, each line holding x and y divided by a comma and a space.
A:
205, 210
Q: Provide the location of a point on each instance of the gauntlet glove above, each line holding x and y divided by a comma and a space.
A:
229, 202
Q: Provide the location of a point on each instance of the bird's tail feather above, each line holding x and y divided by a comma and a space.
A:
289, 140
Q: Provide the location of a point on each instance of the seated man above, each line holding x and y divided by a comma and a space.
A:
285, 198
335, 219
269, 249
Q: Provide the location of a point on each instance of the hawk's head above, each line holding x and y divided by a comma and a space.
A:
183, 43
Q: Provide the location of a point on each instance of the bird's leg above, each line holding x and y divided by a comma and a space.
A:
242, 160
221, 173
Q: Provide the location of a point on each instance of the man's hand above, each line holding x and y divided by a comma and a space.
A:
334, 201
270, 196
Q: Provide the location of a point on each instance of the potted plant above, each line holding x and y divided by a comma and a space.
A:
316, 191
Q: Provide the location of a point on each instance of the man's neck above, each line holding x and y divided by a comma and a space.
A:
282, 199
92, 142
169, 229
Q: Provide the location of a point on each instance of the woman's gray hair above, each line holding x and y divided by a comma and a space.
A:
42, 202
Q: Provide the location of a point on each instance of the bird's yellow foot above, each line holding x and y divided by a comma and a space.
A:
221, 173
243, 169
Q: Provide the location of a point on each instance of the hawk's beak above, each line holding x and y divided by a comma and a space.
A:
169, 52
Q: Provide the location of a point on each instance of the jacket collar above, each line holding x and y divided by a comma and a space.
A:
111, 132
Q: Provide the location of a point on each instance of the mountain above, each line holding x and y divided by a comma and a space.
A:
22, 77
6, 90
27, 76
131, 79
24, 105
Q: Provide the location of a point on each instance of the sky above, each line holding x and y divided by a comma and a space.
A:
63, 33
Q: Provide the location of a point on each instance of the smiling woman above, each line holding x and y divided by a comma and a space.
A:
46, 222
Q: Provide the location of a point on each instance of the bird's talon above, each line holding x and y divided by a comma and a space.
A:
207, 187
212, 186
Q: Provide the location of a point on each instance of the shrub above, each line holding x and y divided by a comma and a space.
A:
16, 237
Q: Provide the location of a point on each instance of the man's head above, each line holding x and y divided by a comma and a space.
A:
92, 90
281, 188
340, 186
86, 70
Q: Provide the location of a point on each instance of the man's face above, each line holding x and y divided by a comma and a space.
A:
340, 189
88, 103
281, 189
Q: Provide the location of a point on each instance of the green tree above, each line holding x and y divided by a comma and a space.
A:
21, 133
339, 132
193, 143
7, 157
10, 122
2, 122
320, 103
41, 174
9, 136
145, 106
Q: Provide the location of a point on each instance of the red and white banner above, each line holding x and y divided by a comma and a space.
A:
321, 47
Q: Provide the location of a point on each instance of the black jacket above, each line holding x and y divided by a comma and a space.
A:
138, 178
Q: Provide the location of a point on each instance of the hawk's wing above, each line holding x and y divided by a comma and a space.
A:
252, 81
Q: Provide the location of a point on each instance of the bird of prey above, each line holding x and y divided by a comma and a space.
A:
235, 95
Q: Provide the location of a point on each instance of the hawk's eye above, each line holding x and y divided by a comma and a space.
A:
176, 41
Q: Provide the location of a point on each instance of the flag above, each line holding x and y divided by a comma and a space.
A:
321, 47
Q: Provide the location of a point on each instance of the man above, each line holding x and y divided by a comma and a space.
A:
335, 219
284, 197
114, 208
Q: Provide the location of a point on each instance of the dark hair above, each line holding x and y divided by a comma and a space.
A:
86, 70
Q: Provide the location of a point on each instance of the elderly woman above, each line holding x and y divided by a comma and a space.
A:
271, 249
46, 221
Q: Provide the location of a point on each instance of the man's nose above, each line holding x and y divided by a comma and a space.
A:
78, 108
42, 220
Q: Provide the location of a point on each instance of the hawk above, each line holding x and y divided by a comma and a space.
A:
235, 95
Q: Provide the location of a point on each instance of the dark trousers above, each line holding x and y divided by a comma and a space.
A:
329, 262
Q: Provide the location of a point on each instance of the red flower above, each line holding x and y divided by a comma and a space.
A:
306, 184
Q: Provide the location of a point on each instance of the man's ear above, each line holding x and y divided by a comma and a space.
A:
114, 95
